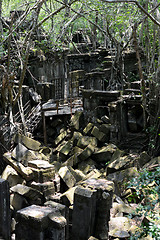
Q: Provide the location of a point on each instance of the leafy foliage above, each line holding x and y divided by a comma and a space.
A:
147, 187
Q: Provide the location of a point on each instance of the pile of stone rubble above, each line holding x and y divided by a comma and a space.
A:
73, 190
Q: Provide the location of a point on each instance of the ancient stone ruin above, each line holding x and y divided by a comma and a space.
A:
64, 179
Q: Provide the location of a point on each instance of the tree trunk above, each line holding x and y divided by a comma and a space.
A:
1, 29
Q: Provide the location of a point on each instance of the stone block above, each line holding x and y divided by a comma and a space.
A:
40, 164
120, 163
93, 174
64, 151
75, 137
68, 197
121, 177
105, 153
72, 161
28, 142
5, 214
76, 150
57, 224
47, 188
143, 159
87, 166
11, 175
60, 138
120, 227
27, 192
22, 154
25, 172
104, 190
92, 238
98, 134
105, 128
87, 152
67, 176
77, 174
77, 120
32, 222
58, 207
87, 130
17, 201
84, 141
83, 218
45, 175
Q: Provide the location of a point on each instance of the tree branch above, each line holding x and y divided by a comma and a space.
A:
138, 5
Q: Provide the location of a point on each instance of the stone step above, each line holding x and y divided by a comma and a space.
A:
134, 91
135, 84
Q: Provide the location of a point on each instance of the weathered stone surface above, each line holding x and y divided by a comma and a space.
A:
87, 166
26, 172
100, 213
58, 207
5, 214
100, 183
93, 174
117, 154
60, 138
84, 141
66, 148
79, 176
18, 202
75, 138
105, 153
46, 153
76, 150
83, 218
119, 227
22, 154
119, 208
121, 177
68, 197
44, 175
87, 152
11, 175
87, 130
105, 128
77, 120
98, 134
40, 164
32, 218
47, 188
143, 159
26, 191
103, 204
120, 163
93, 238
57, 220
28, 142
70, 162
67, 176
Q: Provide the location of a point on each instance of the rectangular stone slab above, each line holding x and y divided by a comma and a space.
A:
26, 172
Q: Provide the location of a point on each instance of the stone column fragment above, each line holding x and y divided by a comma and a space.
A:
83, 213
5, 214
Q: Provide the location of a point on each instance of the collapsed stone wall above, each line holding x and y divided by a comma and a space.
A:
66, 191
